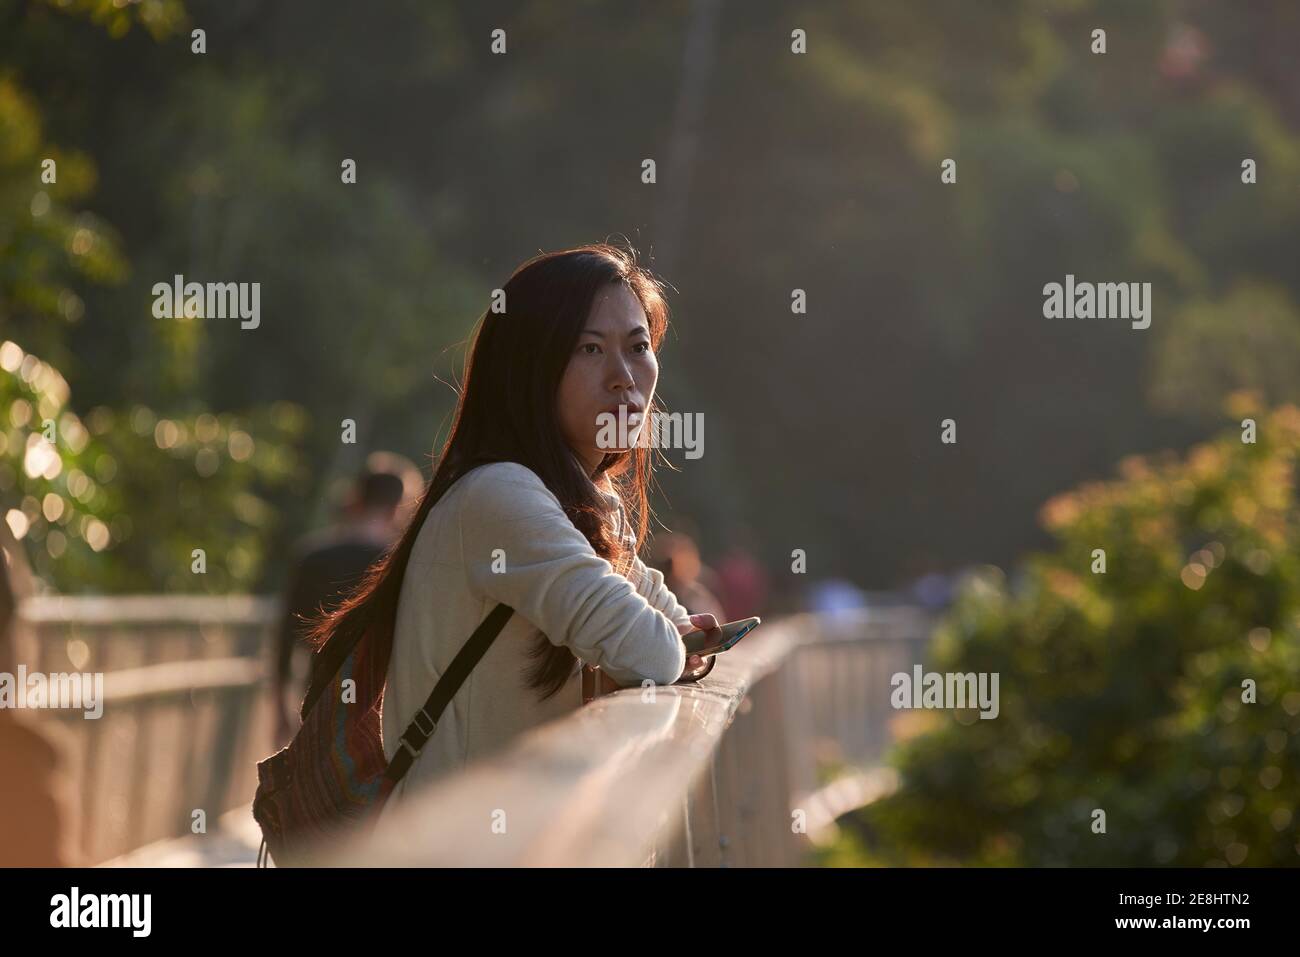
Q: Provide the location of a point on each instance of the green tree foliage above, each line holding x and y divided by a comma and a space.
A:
118, 501
817, 171
226, 166
160, 17
47, 245
1123, 691
1251, 334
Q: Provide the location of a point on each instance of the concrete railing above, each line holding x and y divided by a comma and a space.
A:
742, 769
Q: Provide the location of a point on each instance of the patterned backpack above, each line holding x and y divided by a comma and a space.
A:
333, 773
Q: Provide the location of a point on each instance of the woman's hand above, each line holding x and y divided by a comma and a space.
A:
696, 666
596, 683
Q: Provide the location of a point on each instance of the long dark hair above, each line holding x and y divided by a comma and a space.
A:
506, 413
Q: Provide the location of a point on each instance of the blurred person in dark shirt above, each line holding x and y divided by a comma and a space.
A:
330, 563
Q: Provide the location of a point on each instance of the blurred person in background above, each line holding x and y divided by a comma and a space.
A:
329, 563
935, 589
930, 584
742, 581
834, 596
677, 556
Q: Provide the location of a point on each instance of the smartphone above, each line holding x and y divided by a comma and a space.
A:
707, 643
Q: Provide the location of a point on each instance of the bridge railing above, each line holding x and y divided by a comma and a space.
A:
746, 768
735, 771
185, 713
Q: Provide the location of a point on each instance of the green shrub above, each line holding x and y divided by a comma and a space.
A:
1123, 690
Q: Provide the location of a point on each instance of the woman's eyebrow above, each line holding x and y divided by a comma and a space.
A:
632, 332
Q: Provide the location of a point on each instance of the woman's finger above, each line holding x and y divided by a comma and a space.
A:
701, 622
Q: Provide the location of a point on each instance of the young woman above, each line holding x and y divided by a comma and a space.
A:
526, 508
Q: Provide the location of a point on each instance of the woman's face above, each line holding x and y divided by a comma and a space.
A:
611, 365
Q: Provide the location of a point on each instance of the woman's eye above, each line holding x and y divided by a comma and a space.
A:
641, 348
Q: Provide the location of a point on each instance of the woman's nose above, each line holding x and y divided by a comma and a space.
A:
620, 377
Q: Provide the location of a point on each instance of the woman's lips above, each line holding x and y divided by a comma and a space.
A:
633, 411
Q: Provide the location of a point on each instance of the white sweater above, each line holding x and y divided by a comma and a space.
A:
553, 579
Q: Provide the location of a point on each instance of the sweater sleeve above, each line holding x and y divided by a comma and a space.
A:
519, 547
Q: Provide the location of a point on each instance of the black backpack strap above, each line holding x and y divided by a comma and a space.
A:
416, 734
